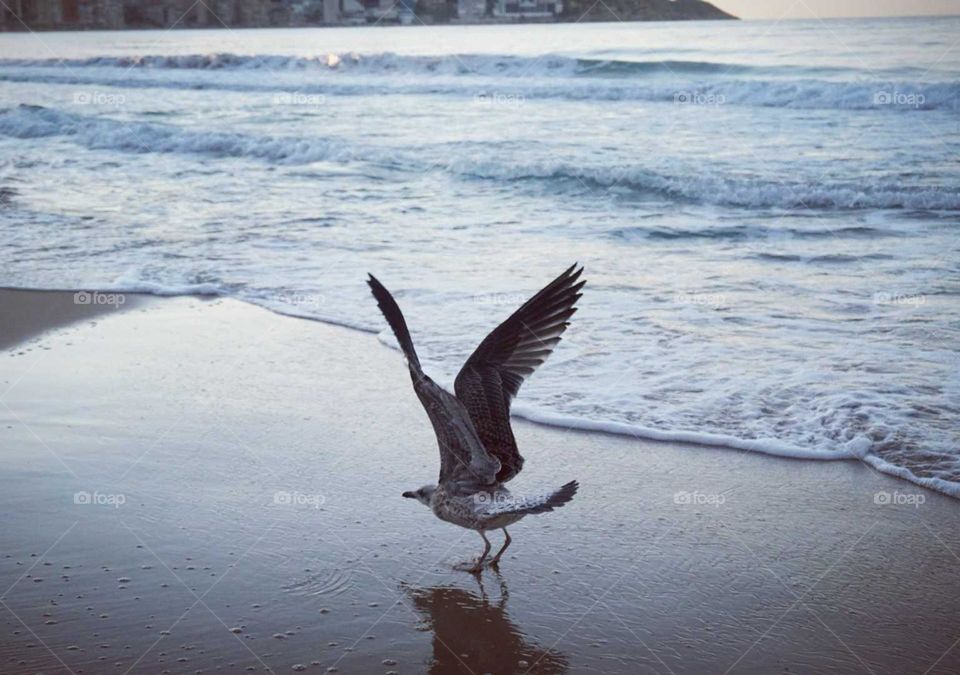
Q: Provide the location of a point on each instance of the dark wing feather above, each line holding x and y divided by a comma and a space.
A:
463, 458
492, 375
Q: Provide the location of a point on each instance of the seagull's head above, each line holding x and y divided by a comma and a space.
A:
424, 495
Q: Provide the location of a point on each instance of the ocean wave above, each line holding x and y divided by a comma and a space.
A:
103, 133
684, 83
729, 191
387, 62
456, 64
855, 449
747, 233
98, 133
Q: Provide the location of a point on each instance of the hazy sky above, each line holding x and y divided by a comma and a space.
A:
808, 9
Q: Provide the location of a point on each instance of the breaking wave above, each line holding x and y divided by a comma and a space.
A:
554, 77
103, 133
97, 133
463, 64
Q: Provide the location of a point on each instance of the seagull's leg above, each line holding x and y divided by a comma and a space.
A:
506, 542
483, 556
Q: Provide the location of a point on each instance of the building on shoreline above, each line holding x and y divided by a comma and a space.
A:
47, 14
114, 14
19, 15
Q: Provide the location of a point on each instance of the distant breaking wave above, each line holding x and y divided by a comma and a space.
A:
102, 133
462, 64
457, 64
685, 82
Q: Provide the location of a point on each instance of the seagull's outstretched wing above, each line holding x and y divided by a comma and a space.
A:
492, 375
463, 458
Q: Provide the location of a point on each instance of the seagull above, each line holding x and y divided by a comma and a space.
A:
478, 452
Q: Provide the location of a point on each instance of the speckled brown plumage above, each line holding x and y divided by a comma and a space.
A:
492, 376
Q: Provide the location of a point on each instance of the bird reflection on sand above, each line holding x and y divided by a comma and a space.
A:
471, 633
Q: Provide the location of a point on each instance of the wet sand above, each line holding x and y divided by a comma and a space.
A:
25, 314
203, 486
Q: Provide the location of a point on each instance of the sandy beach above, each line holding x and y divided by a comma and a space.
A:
198, 485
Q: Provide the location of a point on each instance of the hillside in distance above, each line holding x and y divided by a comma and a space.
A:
642, 10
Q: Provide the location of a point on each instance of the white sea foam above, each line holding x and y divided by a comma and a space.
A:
857, 448
947, 487
130, 282
767, 446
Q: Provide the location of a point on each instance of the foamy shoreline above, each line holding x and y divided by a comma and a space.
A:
69, 309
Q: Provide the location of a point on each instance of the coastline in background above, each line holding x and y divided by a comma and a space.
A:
42, 15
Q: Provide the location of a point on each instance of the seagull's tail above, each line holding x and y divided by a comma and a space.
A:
393, 315
528, 505
558, 498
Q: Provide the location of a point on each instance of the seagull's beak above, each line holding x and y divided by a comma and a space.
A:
409, 495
